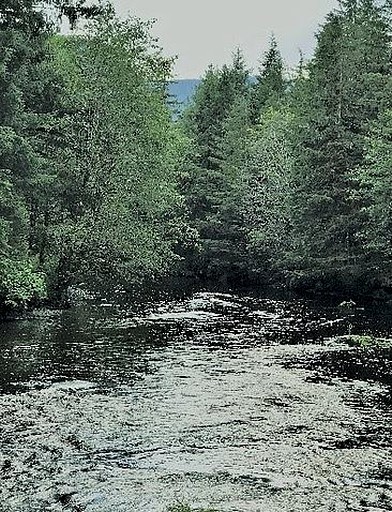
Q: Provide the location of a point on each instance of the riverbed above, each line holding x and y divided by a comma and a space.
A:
238, 402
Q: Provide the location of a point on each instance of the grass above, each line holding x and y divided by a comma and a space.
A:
364, 341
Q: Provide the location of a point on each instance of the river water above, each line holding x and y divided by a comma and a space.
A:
235, 402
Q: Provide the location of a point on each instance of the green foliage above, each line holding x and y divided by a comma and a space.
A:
20, 283
271, 190
363, 341
213, 101
293, 176
277, 177
23, 33
371, 189
74, 10
241, 168
348, 86
217, 124
119, 211
89, 155
270, 84
375, 181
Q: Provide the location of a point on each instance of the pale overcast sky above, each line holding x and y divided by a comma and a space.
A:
201, 32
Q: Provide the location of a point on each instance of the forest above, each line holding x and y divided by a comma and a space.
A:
279, 176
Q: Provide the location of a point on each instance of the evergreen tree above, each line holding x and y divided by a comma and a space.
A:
225, 244
220, 103
345, 92
23, 36
270, 83
374, 194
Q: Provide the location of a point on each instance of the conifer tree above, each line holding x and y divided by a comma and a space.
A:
208, 122
270, 84
374, 178
345, 92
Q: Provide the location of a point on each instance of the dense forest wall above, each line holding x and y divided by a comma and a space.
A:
286, 178
289, 178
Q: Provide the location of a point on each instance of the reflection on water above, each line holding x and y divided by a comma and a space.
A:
221, 400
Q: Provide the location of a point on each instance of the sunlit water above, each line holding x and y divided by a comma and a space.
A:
234, 402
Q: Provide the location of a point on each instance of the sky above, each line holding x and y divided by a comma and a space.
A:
203, 32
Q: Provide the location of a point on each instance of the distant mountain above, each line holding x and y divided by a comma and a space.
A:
183, 90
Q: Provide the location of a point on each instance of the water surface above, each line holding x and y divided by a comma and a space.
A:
237, 402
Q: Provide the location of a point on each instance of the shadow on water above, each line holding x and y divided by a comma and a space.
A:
112, 344
74, 346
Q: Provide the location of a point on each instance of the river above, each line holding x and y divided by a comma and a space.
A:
237, 402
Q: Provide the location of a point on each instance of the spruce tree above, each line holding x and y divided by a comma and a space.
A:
373, 184
345, 92
209, 183
270, 83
